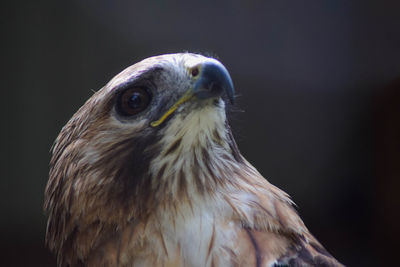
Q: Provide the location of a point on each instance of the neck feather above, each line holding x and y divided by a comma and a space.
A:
197, 154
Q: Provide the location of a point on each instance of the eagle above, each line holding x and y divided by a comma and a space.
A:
147, 173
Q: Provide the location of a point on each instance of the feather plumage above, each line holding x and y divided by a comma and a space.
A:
124, 193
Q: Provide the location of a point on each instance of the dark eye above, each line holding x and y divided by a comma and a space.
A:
132, 101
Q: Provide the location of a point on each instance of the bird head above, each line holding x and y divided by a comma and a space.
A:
156, 133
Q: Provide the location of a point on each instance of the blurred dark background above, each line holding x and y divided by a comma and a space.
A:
318, 81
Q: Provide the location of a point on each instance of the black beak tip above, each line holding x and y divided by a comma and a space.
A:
214, 80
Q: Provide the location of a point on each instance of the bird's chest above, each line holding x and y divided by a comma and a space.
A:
190, 237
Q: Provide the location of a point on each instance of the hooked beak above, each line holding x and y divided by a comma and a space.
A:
213, 81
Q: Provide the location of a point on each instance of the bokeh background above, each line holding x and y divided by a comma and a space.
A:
318, 108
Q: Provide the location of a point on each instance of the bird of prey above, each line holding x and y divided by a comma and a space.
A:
147, 173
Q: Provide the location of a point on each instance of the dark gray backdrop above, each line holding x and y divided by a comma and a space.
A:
318, 83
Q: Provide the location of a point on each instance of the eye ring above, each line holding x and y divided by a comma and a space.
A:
133, 101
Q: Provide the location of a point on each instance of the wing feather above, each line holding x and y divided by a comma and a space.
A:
273, 233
